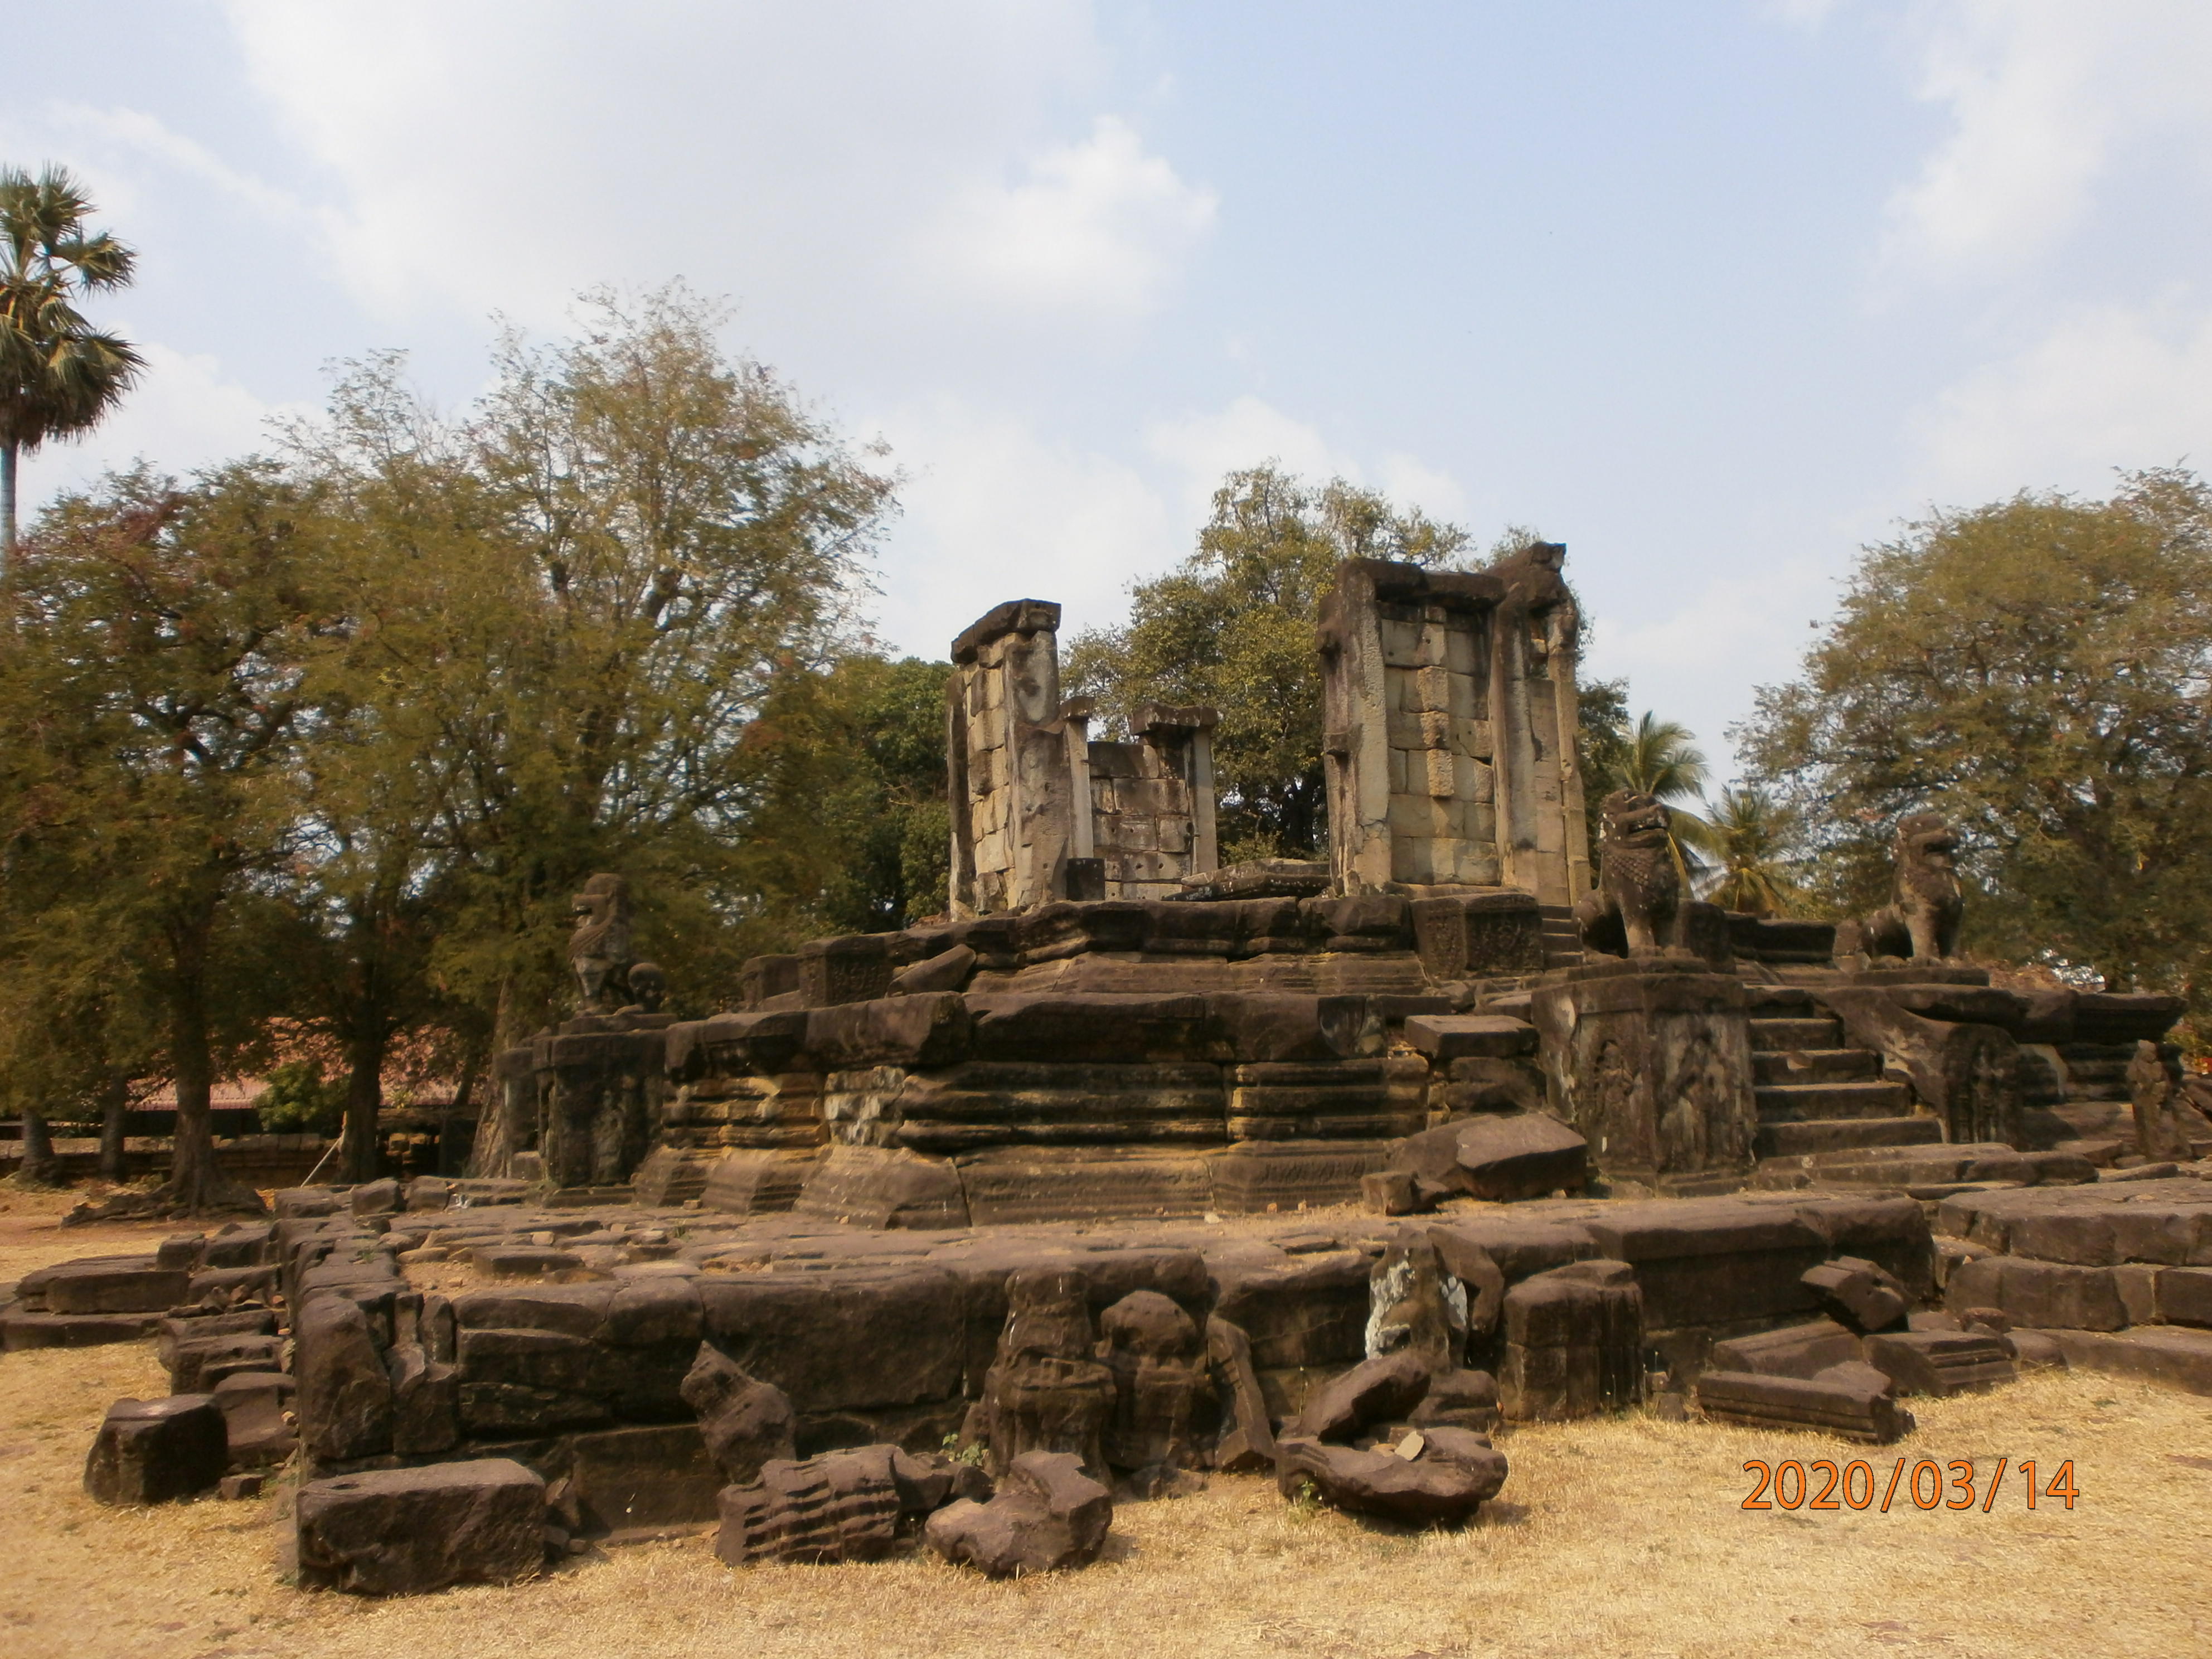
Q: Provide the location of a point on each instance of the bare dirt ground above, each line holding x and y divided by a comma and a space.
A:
1620, 1537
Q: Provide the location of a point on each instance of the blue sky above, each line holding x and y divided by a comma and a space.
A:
1714, 293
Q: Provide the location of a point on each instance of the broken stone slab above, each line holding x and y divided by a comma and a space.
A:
747, 1423
509, 1261
1849, 1406
1514, 1156
1940, 1363
405, 1532
1047, 1514
150, 1451
2170, 1354
1247, 1434
2041, 1295
1384, 1389
1450, 1473
1859, 1294
1802, 1350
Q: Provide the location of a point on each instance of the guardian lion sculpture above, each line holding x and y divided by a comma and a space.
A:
599, 949
1921, 920
1637, 881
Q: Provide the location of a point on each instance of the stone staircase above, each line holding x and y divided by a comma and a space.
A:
1814, 1094
1563, 940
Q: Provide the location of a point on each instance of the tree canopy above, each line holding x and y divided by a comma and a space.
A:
1233, 626
2040, 671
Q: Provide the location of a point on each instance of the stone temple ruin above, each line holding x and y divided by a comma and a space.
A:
1133, 1168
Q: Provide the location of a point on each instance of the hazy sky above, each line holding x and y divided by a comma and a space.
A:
1712, 291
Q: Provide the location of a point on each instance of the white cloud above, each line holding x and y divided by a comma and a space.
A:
2109, 385
994, 511
2045, 95
137, 133
843, 163
185, 413
1100, 226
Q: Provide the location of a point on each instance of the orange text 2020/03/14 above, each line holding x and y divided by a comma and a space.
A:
1921, 1484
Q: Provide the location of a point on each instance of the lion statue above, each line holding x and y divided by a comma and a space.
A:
1921, 920
1638, 885
598, 949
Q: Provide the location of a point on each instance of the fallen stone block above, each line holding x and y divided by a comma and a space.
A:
19, 1332
1047, 1514
253, 1404
374, 1197
1435, 1476
197, 1364
1939, 1363
149, 1451
841, 1506
523, 1261
1858, 1294
128, 1284
404, 1532
1459, 1400
1380, 1390
1854, 1410
1574, 1343
345, 1394
1513, 1156
234, 1487
1247, 1435
747, 1424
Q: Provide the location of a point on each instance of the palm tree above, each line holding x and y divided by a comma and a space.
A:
1661, 759
58, 375
1750, 830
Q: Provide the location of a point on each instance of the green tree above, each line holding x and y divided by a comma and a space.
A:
59, 375
1750, 837
1233, 626
1602, 743
1659, 758
852, 833
151, 702
2037, 670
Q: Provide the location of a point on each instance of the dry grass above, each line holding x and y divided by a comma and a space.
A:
1620, 1537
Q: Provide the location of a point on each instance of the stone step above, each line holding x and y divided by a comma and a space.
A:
1816, 1066
1778, 1001
1796, 1139
1774, 1035
1793, 1103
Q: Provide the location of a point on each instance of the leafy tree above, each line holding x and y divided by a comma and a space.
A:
1749, 837
59, 376
1602, 743
297, 1096
2037, 669
1233, 626
692, 536
852, 834
151, 703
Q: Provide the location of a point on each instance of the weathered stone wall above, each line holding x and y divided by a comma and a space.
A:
1151, 802
1449, 716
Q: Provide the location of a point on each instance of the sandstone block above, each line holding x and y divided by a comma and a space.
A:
1449, 1475
149, 1451
1941, 1363
405, 1532
1047, 1514
1852, 1409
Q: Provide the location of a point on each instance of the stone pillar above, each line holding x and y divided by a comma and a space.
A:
1445, 694
1650, 1061
1013, 811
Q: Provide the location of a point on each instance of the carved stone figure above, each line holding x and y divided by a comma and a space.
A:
1045, 1391
2161, 1131
1637, 882
600, 948
648, 984
1921, 920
